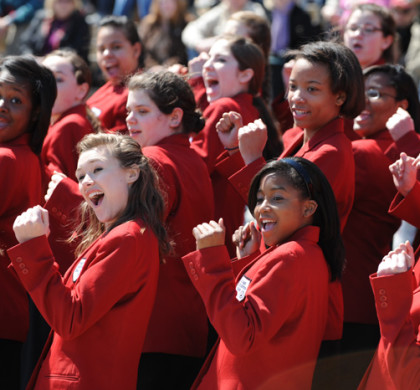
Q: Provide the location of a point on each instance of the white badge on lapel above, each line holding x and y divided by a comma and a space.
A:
78, 269
241, 288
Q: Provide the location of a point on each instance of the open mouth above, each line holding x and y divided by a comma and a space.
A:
96, 197
267, 224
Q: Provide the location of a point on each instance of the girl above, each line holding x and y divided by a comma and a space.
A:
370, 34
104, 301
60, 24
370, 228
161, 116
27, 93
232, 76
325, 85
71, 119
270, 309
119, 54
396, 289
160, 32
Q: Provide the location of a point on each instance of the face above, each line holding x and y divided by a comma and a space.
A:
69, 93
115, 54
221, 73
63, 8
280, 211
103, 183
145, 122
15, 107
311, 100
377, 109
167, 8
364, 36
404, 16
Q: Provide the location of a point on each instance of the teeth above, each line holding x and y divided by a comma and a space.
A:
94, 194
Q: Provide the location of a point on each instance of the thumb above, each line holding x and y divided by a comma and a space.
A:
236, 119
222, 224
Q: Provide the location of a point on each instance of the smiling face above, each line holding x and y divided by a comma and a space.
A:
311, 100
221, 73
116, 55
69, 92
280, 210
377, 110
145, 122
364, 36
103, 183
15, 107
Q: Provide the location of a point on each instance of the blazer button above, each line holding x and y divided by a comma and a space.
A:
18, 259
384, 305
22, 266
383, 298
25, 271
382, 291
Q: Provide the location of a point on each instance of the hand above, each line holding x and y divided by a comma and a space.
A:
209, 234
247, 240
195, 65
397, 261
404, 173
227, 129
55, 179
32, 223
399, 124
252, 140
179, 69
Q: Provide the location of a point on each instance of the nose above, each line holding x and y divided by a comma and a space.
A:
130, 117
3, 104
296, 95
87, 181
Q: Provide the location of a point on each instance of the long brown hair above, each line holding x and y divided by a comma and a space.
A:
144, 199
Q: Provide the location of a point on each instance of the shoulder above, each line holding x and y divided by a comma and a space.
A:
221, 105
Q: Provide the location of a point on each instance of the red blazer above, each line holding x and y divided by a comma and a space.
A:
270, 318
179, 324
20, 178
228, 204
331, 151
396, 364
99, 311
108, 103
59, 148
369, 230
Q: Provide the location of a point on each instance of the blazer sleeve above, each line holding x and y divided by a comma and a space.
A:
70, 311
407, 208
396, 363
242, 325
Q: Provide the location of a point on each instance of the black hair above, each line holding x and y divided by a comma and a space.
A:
168, 91
128, 28
250, 56
404, 86
43, 89
312, 184
344, 69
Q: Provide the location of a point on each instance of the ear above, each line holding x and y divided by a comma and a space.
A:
82, 91
132, 174
309, 208
403, 104
246, 75
341, 98
176, 117
387, 42
137, 49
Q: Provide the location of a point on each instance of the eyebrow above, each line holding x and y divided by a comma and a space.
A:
89, 162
